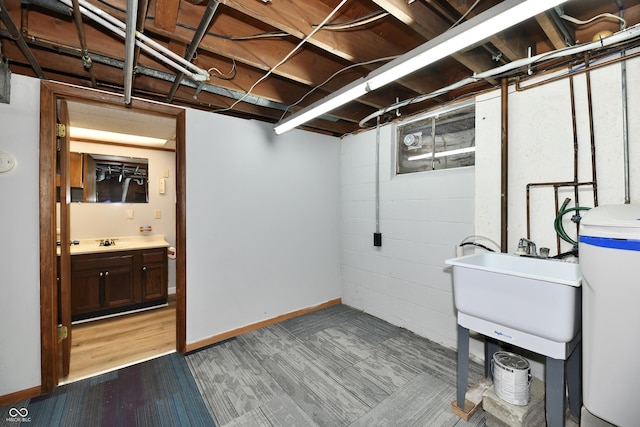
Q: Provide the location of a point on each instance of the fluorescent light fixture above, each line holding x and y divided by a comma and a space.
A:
490, 22
115, 137
443, 153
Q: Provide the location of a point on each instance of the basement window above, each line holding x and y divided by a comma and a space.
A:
442, 139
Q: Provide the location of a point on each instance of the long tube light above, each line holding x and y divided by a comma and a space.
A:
490, 22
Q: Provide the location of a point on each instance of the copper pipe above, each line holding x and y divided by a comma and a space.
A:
556, 207
575, 134
86, 59
576, 193
556, 185
591, 131
504, 179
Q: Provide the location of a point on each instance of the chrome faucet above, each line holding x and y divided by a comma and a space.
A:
527, 246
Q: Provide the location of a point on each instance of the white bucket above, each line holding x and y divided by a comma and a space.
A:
511, 377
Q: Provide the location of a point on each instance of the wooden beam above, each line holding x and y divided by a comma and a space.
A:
552, 32
166, 16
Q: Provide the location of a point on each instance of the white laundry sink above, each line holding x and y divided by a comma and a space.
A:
529, 302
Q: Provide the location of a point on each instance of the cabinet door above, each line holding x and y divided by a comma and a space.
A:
118, 286
154, 274
85, 291
75, 166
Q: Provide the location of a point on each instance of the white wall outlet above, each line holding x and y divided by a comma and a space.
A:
165, 173
161, 186
157, 214
129, 213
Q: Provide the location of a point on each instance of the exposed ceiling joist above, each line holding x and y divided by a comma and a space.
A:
247, 38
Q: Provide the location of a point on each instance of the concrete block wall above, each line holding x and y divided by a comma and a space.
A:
423, 216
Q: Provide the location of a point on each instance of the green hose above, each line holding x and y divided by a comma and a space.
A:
557, 224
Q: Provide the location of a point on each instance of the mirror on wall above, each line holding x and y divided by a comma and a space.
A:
100, 178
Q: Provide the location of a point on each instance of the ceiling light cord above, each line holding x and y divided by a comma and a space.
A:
473, 6
286, 58
588, 21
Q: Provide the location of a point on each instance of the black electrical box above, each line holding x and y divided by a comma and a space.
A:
377, 239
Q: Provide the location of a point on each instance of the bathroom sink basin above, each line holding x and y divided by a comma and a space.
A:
535, 296
84, 246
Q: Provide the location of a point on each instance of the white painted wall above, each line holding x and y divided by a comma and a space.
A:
262, 222
423, 216
263, 213
19, 255
107, 220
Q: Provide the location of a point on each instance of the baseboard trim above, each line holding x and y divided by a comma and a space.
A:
17, 396
243, 330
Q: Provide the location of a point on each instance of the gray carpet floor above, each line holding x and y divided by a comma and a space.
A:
333, 367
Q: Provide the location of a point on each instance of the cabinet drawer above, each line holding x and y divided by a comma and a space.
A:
153, 256
93, 262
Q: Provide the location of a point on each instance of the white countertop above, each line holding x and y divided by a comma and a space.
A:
126, 243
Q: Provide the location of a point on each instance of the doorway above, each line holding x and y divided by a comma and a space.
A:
50, 94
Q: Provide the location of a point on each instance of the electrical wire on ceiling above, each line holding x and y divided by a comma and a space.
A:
229, 75
588, 21
358, 22
361, 21
463, 17
286, 58
348, 67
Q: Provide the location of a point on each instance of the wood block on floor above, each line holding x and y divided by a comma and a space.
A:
467, 412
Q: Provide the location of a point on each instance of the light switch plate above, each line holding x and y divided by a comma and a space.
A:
129, 213
157, 214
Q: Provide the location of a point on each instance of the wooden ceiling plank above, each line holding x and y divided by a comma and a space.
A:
355, 46
299, 19
552, 32
166, 16
264, 53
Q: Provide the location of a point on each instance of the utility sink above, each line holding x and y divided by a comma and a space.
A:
533, 303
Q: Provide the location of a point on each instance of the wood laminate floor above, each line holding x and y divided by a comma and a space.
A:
107, 344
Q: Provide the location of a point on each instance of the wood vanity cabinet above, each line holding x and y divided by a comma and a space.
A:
112, 282
82, 176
